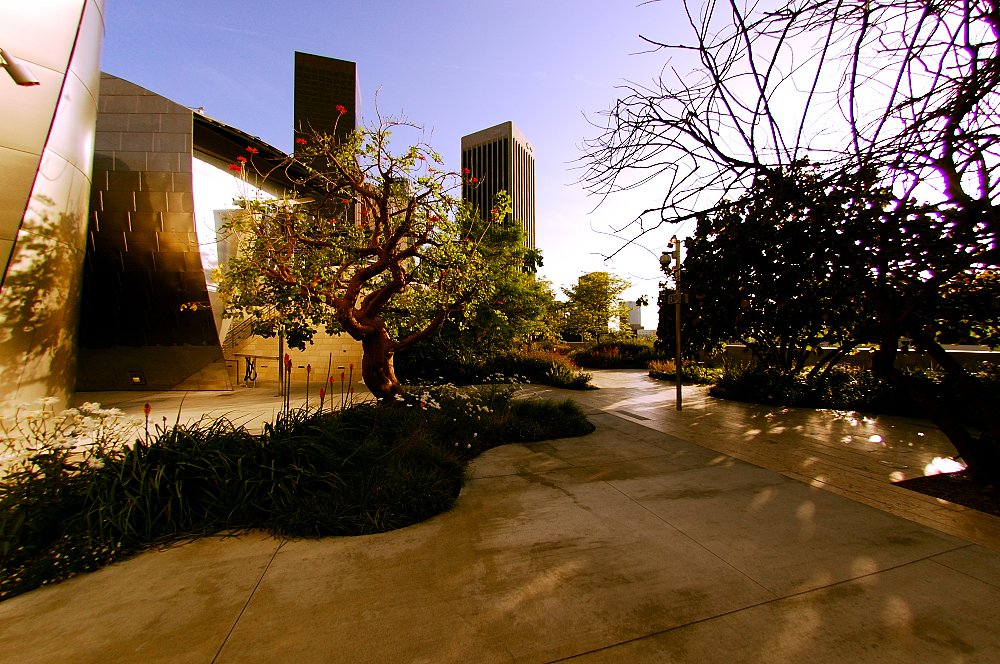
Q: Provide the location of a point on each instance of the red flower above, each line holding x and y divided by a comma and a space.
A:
241, 159
341, 109
252, 150
301, 141
465, 171
421, 157
332, 221
322, 393
235, 167
473, 180
494, 212
147, 409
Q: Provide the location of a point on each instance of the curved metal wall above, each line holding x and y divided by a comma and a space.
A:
46, 150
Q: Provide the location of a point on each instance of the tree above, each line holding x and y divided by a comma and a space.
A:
896, 96
372, 244
593, 303
775, 271
512, 309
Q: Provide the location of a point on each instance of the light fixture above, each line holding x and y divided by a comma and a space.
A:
18, 71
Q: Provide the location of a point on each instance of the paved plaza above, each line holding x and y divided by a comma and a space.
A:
724, 532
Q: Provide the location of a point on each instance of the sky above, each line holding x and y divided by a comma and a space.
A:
550, 66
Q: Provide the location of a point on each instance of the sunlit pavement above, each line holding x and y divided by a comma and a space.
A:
661, 537
854, 455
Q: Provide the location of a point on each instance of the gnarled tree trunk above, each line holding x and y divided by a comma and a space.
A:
376, 365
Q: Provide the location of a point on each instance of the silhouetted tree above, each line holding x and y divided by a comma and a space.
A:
898, 96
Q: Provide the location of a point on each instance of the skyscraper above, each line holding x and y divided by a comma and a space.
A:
321, 84
502, 159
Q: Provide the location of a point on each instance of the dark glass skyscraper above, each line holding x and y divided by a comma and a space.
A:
502, 159
321, 84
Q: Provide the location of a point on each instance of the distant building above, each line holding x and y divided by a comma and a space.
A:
634, 315
321, 84
502, 159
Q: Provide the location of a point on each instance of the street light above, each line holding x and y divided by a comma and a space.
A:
671, 264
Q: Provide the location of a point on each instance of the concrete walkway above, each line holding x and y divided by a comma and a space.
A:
661, 537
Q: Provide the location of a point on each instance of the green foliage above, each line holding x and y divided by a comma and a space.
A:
845, 387
593, 303
969, 310
542, 367
774, 271
623, 354
373, 244
431, 363
692, 372
69, 505
513, 308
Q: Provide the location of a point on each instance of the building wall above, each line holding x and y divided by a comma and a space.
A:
337, 351
503, 160
147, 321
46, 146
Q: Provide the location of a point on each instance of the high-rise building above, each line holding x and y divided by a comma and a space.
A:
321, 84
500, 158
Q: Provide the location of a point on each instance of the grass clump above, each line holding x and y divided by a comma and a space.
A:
81, 489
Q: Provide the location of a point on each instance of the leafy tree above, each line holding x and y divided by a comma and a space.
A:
774, 271
969, 311
896, 99
373, 244
593, 303
511, 310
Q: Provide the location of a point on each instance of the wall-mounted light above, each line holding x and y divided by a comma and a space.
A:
18, 71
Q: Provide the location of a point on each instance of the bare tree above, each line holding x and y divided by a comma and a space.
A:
902, 93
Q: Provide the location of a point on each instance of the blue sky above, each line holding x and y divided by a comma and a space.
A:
452, 67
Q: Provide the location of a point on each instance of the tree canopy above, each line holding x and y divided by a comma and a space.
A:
593, 303
372, 243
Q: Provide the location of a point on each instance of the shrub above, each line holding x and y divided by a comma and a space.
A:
623, 354
841, 387
692, 372
73, 497
541, 367
534, 366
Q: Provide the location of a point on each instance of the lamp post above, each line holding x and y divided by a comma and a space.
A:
676, 299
